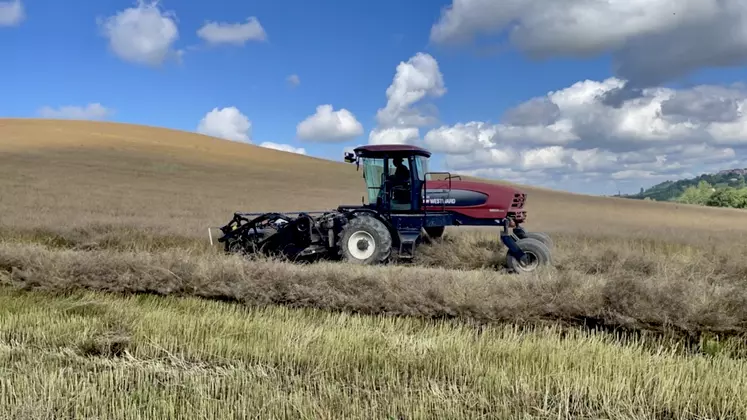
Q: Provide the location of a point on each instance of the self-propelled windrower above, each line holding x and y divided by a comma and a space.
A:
406, 204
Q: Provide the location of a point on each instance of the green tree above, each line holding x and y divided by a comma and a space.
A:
699, 194
724, 197
742, 197
728, 197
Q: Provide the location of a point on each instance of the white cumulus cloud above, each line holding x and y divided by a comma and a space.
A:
460, 138
283, 147
394, 135
142, 34
415, 80
12, 13
94, 111
651, 41
232, 33
226, 123
328, 125
587, 132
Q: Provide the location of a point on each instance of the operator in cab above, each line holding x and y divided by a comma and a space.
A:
400, 185
401, 173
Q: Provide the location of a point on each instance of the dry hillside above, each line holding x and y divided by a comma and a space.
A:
71, 173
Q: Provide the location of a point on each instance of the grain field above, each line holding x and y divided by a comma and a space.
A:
113, 304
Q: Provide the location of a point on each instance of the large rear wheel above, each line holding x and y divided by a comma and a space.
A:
537, 255
365, 240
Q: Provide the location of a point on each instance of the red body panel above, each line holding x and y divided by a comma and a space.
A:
502, 201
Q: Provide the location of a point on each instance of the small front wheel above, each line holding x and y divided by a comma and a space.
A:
537, 254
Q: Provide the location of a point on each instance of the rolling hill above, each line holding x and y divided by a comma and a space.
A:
71, 173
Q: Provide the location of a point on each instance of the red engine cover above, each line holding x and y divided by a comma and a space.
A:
475, 199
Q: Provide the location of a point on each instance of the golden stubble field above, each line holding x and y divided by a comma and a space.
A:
643, 316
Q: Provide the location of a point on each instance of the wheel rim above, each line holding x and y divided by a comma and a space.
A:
529, 263
361, 245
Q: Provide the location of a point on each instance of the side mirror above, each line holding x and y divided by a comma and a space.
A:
350, 158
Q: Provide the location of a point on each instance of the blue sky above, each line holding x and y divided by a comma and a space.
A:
346, 54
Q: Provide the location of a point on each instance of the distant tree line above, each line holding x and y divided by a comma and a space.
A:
724, 189
706, 194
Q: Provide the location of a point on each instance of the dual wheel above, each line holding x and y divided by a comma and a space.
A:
537, 248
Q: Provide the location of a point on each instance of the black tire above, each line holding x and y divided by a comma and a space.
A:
232, 247
435, 232
243, 244
235, 246
542, 237
539, 256
368, 232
